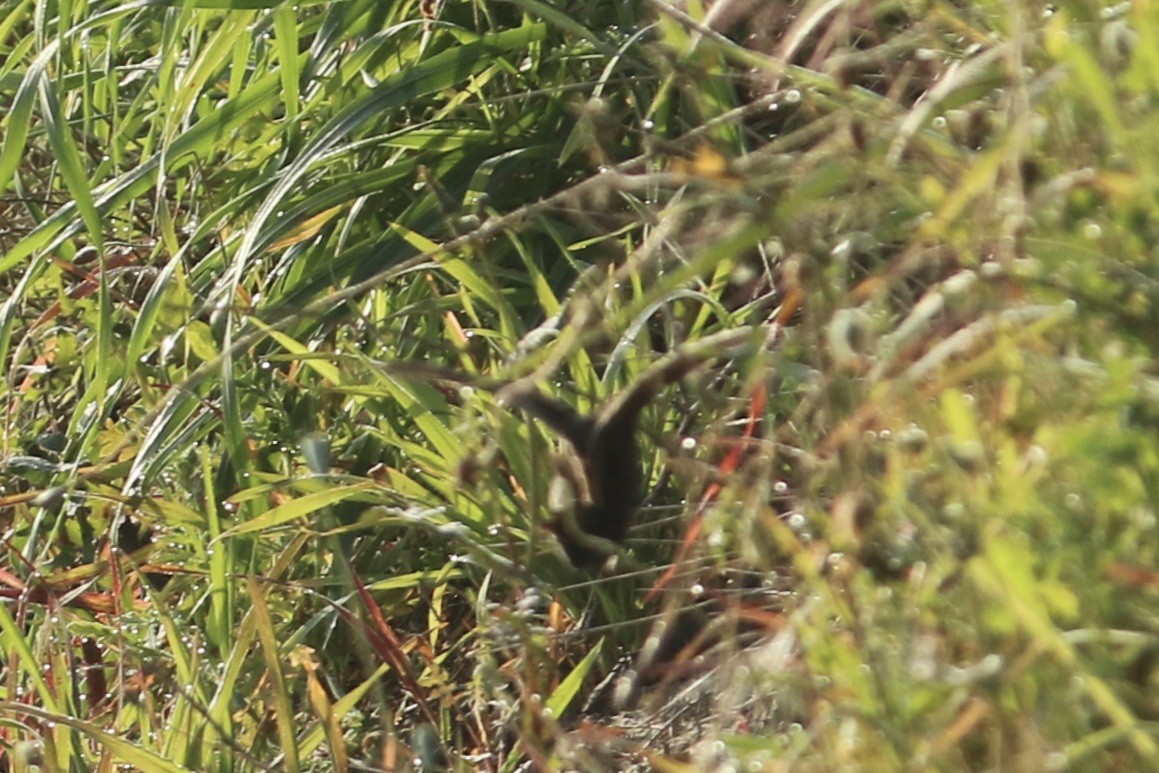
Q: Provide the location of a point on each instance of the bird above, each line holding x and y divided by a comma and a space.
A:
605, 442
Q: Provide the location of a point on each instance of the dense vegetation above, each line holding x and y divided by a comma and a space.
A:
261, 264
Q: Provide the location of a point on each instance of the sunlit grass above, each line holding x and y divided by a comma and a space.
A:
910, 523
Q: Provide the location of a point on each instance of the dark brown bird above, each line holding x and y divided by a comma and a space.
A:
609, 453
605, 442
608, 449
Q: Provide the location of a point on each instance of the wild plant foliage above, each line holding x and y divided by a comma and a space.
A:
575, 385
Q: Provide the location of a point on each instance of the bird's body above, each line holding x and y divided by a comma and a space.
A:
614, 479
604, 442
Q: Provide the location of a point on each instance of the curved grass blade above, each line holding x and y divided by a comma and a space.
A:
439, 72
294, 509
20, 115
62, 224
15, 642
140, 758
283, 712
569, 688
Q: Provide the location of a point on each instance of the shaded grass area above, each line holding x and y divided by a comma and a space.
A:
262, 268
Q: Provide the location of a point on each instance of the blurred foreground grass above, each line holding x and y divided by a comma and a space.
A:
916, 530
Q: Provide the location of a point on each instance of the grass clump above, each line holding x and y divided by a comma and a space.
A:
265, 266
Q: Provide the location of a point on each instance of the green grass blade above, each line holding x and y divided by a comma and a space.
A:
438, 72
19, 115
283, 712
127, 752
297, 508
15, 642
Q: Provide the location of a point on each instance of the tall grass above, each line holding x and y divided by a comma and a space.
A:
910, 524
